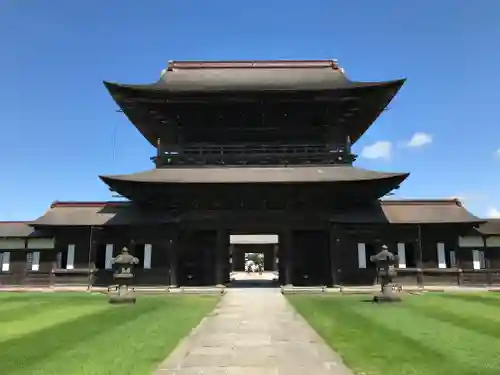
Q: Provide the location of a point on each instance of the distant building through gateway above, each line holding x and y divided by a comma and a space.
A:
243, 244
252, 151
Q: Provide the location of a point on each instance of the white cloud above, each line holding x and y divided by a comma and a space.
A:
378, 150
419, 139
493, 212
497, 153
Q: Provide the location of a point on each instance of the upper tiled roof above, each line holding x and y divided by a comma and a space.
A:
149, 106
270, 75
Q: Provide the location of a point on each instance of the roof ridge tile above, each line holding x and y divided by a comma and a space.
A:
88, 203
421, 201
251, 64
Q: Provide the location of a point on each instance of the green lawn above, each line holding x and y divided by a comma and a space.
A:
81, 334
441, 334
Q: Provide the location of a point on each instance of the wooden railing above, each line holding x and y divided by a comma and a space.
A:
426, 277
256, 154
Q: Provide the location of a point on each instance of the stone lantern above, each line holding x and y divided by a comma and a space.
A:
123, 276
386, 271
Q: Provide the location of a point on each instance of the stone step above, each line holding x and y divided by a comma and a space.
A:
198, 290
290, 289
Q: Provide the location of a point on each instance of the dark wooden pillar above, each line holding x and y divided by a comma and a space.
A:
238, 255
487, 263
132, 247
221, 249
275, 257
91, 258
208, 256
95, 237
232, 258
334, 250
288, 255
418, 256
95, 234
485, 248
173, 249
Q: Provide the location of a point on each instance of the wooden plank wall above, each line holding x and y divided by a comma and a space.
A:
85, 272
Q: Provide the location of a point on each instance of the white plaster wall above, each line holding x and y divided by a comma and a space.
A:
253, 239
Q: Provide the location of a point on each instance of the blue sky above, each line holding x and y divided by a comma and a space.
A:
58, 124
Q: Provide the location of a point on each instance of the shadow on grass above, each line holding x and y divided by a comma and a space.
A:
484, 325
358, 339
371, 347
22, 312
491, 300
25, 351
367, 300
7, 297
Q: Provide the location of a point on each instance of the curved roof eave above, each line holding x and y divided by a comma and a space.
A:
258, 175
164, 86
122, 91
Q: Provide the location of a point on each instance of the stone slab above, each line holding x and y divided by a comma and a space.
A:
253, 332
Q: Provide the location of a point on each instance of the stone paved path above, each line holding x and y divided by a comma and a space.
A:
253, 332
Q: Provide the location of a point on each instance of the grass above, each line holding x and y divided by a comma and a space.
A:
433, 334
81, 334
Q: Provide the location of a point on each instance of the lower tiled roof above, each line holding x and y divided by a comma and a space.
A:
385, 211
221, 175
411, 212
490, 227
18, 229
